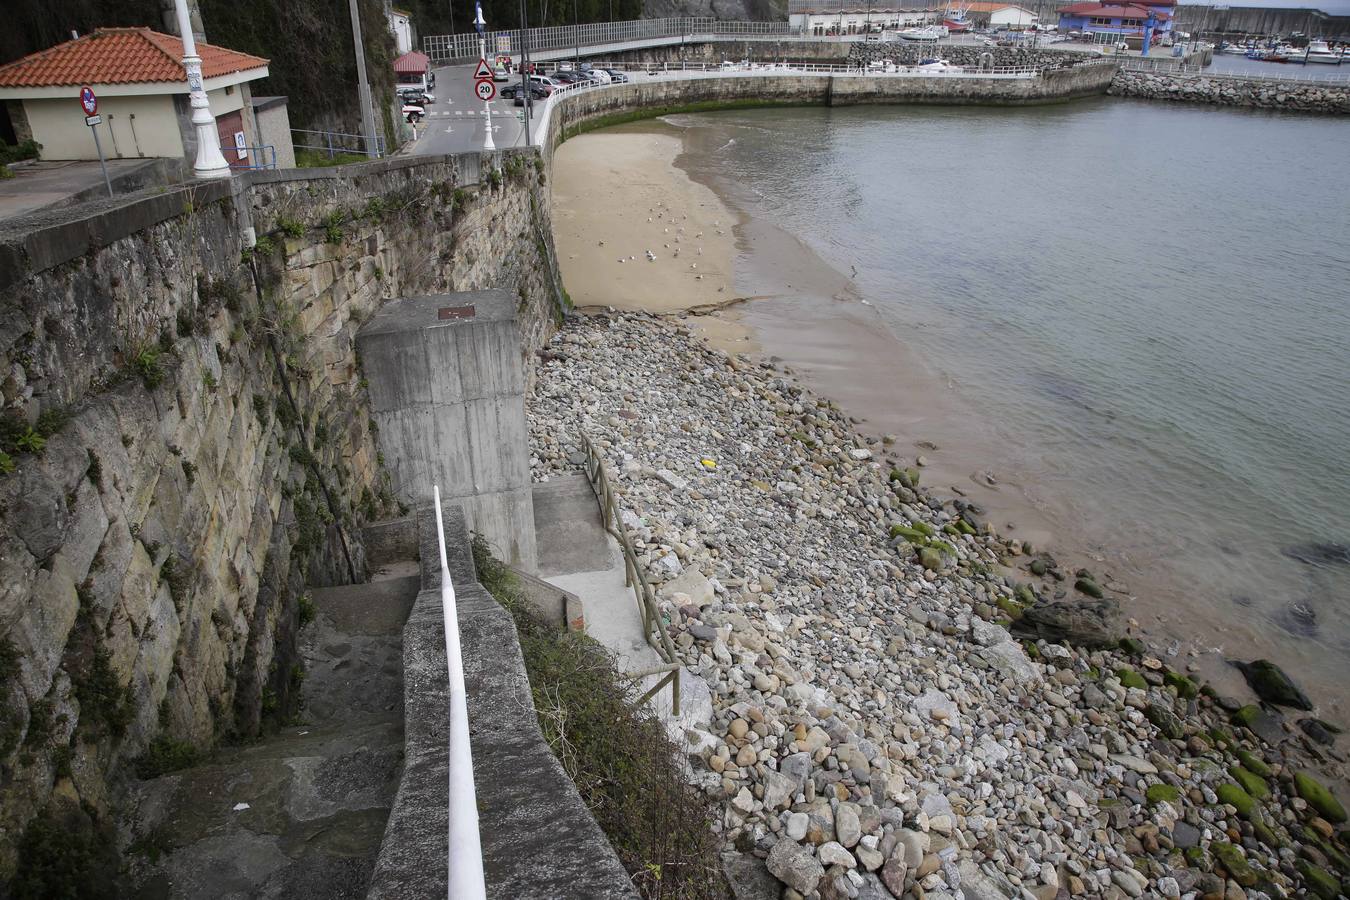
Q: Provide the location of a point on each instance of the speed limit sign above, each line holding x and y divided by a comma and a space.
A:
485, 89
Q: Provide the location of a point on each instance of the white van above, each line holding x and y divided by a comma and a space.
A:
548, 85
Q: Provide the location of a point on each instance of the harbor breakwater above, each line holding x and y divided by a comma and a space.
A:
1298, 96
584, 110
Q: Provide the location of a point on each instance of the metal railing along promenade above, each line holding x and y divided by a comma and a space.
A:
443, 48
653, 630
1135, 64
334, 142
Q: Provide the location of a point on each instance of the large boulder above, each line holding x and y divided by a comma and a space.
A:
793, 864
1272, 685
1082, 623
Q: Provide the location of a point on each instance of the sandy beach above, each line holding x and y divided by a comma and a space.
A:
632, 231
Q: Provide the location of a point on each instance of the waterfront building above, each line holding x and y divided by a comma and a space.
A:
824, 18
984, 14
1112, 22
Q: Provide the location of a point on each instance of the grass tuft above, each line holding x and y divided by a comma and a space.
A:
626, 769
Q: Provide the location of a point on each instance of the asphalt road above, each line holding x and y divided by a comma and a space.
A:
455, 122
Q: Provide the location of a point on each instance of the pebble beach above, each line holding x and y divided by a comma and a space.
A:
902, 707
906, 702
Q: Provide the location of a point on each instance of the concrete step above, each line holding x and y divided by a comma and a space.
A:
569, 536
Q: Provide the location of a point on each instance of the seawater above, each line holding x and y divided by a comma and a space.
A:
1146, 306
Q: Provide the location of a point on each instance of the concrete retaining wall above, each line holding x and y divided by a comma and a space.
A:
448, 395
1293, 96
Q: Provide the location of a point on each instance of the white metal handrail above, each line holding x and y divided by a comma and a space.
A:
464, 875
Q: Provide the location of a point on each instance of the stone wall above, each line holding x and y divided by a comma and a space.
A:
598, 107
909, 53
1295, 96
188, 443
715, 52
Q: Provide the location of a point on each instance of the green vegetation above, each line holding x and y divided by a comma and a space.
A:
1319, 798
1131, 679
332, 227
208, 380
314, 159
616, 751
178, 577
105, 705
165, 755
1237, 798
67, 856
14, 152
147, 366
1161, 793
290, 227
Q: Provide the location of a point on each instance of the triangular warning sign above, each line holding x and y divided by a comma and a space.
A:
483, 71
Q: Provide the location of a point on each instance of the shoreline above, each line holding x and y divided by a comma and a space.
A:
901, 735
801, 312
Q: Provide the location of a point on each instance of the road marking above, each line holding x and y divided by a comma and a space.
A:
449, 129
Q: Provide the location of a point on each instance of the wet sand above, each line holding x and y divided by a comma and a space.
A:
617, 197
800, 312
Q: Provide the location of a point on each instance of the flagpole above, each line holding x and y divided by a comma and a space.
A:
488, 145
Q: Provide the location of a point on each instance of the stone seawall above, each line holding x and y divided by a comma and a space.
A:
972, 55
189, 444
598, 107
1294, 96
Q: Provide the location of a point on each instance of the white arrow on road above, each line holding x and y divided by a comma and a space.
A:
448, 129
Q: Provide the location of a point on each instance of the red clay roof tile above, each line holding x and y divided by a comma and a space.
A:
120, 56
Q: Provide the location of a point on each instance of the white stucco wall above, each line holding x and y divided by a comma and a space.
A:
1011, 17
132, 127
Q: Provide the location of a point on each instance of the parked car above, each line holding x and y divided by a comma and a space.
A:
500, 74
416, 96
545, 83
521, 99
512, 91
568, 77
598, 75
616, 76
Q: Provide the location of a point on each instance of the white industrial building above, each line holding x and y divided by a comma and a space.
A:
828, 19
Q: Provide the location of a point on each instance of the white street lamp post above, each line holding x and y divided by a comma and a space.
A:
481, 24
210, 161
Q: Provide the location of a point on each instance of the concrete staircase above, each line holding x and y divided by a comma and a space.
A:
577, 554
300, 813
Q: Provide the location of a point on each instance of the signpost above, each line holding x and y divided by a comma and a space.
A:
485, 90
483, 73
89, 103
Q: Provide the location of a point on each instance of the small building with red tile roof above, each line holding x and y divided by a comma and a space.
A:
138, 77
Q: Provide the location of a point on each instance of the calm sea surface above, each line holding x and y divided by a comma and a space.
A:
1147, 305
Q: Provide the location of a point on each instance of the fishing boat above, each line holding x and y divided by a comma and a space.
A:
1319, 52
956, 21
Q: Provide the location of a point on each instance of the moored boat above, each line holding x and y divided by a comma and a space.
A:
1319, 52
